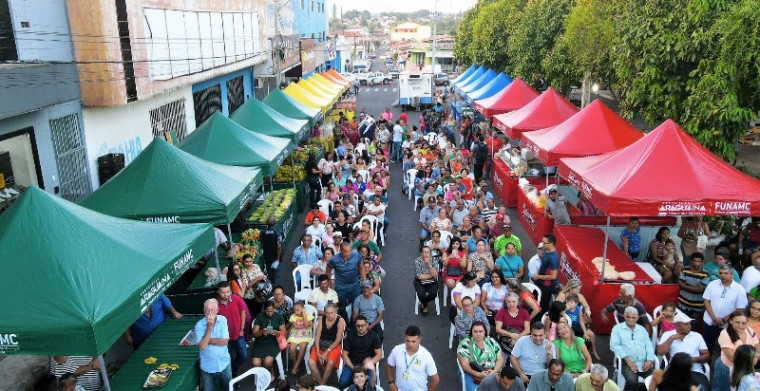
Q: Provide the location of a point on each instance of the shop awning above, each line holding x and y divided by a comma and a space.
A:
75, 279
592, 131
665, 173
166, 185
290, 107
489, 89
316, 91
305, 97
516, 95
549, 109
223, 141
473, 76
337, 75
465, 74
260, 118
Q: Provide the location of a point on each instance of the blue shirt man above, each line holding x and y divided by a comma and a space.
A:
212, 342
346, 267
631, 342
427, 214
149, 321
307, 253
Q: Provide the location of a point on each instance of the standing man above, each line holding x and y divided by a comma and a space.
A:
361, 347
546, 278
346, 266
398, 138
692, 282
370, 306
148, 322
630, 341
494, 144
271, 244
552, 378
212, 336
410, 367
722, 297
683, 340
232, 307
480, 156
555, 208
532, 353
505, 380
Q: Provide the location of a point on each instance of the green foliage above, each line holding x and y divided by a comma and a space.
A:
559, 67
463, 42
589, 38
491, 32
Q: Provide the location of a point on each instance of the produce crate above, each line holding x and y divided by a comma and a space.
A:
287, 224
301, 196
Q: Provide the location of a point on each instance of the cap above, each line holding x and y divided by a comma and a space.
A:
338, 234
680, 317
431, 199
552, 190
367, 284
540, 244
507, 226
499, 216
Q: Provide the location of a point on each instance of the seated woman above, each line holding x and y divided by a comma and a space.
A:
555, 315
338, 180
743, 376
493, 295
657, 255
454, 263
368, 274
526, 297
467, 287
480, 262
325, 353
465, 318
735, 335
321, 266
441, 222
677, 376
510, 263
478, 355
332, 192
572, 351
511, 322
282, 303
425, 279
266, 326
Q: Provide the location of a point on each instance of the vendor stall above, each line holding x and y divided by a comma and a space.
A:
465, 74
316, 91
486, 77
516, 95
530, 212
93, 274
340, 88
292, 108
306, 98
578, 246
260, 118
505, 183
345, 83
469, 79
549, 109
491, 88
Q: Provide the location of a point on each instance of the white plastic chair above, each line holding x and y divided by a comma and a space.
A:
452, 333
445, 294
364, 174
263, 378
534, 290
373, 224
648, 381
409, 180
656, 329
305, 272
302, 295
326, 206
417, 305
446, 236
310, 310
417, 203
618, 364
461, 373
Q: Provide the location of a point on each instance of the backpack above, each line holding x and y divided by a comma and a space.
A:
482, 154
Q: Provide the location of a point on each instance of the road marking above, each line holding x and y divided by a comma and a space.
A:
395, 89
385, 90
377, 89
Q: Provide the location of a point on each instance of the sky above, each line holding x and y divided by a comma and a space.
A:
400, 5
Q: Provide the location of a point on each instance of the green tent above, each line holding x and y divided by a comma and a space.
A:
75, 279
260, 118
292, 108
166, 185
222, 140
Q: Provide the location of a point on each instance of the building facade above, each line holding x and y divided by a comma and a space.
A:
410, 31
41, 129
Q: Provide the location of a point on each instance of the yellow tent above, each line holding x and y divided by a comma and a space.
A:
300, 94
316, 91
327, 83
319, 87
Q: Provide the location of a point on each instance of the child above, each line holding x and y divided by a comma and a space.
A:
671, 255
300, 334
665, 318
574, 310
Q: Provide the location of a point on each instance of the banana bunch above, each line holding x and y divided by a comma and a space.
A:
285, 173
279, 199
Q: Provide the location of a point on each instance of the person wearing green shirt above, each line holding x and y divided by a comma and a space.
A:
711, 268
572, 351
364, 239
446, 177
500, 244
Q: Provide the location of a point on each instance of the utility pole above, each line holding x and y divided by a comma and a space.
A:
277, 47
435, 34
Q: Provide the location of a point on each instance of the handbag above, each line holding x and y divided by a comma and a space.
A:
477, 368
702, 242
453, 270
282, 342
506, 343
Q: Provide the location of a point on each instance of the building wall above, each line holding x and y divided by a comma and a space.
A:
312, 18
127, 129
222, 82
219, 43
41, 29
410, 32
28, 87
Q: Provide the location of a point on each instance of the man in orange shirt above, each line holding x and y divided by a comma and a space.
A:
494, 144
314, 212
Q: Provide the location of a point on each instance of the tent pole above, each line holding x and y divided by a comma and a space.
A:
264, 190
271, 188
604, 253
216, 259
229, 233
104, 373
546, 189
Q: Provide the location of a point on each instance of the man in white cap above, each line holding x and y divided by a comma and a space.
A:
682, 339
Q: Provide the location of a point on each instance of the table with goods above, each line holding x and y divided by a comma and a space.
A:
245, 243
169, 357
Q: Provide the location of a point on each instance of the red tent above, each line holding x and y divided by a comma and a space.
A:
594, 130
549, 109
341, 82
516, 95
665, 173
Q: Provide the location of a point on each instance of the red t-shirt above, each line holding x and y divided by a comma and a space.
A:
517, 323
402, 118
497, 144
231, 310
311, 215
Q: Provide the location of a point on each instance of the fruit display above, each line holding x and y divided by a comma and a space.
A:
285, 173
249, 244
281, 199
301, 155
326, 144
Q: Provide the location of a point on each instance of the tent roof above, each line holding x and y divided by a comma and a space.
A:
592, 131
465, 74
479, 82
337, 75
489, 89
314, 90
318, 86
223, 141
75, 279
305, 97
473, 76
549, 109
289, 107
665, 173
260, 118
335, 80
165, 184
327, 83
516, 95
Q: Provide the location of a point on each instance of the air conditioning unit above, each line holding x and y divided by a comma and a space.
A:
258, 82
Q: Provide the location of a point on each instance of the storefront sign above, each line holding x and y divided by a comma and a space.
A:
308, 59
290, 51
528, 216
8, 341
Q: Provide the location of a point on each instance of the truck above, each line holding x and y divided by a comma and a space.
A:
415, 89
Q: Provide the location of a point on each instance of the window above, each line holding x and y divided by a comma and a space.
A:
169, 118
206, 102
8, 46
235, 94
312, 5
68, 145
302, 1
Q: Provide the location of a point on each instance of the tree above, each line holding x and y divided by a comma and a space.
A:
465, 48
491, 31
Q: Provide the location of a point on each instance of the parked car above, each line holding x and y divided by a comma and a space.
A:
372, 55
349, 76
373, 78
441, 79
389, 62
393, 73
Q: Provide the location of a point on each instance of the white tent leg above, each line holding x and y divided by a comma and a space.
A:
604, 253
104, 373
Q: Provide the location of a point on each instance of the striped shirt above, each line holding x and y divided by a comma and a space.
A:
89, 380
692, 301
